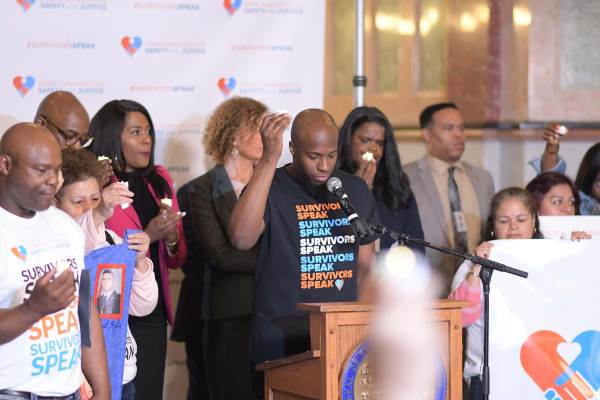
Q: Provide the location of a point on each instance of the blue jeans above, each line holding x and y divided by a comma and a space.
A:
128, 391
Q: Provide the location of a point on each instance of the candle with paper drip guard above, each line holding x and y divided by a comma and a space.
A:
168, 202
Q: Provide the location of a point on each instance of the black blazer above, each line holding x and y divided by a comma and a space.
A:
229, 275
188, 316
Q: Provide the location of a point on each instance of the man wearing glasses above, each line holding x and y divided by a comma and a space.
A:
453, 196
63, 114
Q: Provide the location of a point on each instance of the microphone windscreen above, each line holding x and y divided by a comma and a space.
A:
334, 184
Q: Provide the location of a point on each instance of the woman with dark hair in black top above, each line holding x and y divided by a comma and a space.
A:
367, 148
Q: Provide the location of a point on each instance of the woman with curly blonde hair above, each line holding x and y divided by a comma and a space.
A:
233, 140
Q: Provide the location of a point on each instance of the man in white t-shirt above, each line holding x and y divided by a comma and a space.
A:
41, 258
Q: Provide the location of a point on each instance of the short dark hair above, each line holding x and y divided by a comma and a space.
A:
426, 116
107, 271
588, 170
543, 183
526, 199
390, 185
106, 128
78, 165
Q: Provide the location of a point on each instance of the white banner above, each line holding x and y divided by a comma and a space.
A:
180, 58
545, 330
560, 227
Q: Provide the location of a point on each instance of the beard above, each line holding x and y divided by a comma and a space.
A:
317, 191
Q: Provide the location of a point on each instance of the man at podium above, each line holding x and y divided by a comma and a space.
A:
308, 251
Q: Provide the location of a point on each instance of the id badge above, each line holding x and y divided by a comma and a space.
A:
459, 221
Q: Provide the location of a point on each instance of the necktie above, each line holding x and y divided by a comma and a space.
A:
458, 220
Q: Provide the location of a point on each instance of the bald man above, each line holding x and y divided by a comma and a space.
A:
309, 252
63, 114
40, 265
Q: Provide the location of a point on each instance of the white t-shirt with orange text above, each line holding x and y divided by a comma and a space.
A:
46, 359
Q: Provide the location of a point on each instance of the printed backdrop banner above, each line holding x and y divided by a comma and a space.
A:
545, 330
180, 58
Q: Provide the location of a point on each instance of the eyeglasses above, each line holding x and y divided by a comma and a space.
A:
70, 140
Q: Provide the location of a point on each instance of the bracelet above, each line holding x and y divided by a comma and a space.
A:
174, 242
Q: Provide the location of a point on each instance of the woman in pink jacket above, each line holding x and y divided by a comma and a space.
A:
123, 132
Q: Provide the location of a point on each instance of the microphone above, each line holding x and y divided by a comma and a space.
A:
334, 185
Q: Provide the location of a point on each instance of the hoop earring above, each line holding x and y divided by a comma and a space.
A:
493, 233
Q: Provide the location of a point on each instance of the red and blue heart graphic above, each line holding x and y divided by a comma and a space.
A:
232, 6
226, 85
20, 252
563, 370
25, 4
23, 85
131, 44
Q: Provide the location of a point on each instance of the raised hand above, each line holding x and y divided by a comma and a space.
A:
106, 171
553, 133
367, 170
271, 130
114, 194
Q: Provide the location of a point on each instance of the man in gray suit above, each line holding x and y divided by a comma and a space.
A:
453, 196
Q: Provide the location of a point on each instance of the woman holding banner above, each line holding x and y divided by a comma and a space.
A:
81, 198
554, 194
513, 216
123, 131
587, 180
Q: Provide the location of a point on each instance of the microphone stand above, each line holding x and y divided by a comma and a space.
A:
487, 267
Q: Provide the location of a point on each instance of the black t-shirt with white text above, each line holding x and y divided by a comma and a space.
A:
308, 254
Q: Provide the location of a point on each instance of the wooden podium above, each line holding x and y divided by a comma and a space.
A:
335, 330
